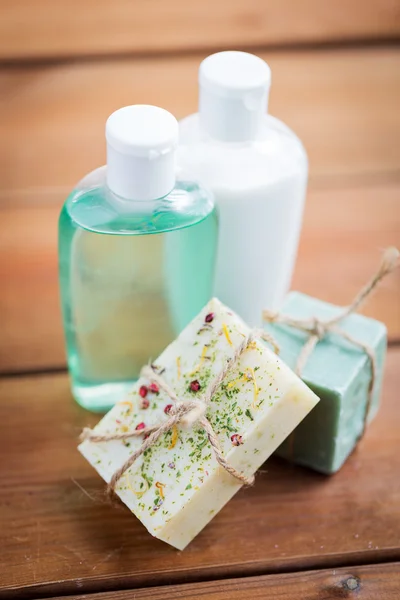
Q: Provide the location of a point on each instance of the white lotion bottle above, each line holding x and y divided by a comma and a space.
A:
257, 169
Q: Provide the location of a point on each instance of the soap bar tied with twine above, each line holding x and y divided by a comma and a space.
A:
317, 329
185, 413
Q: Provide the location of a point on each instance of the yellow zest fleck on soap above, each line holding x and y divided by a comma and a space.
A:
249, 376
256, 390
252, 346
139, 493
202, 359
160, 486
126, 403
174, 438
239, 332
244, 377
226, 332
178, 366
235, 382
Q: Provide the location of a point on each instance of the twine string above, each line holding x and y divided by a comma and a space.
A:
317, 329
185, 413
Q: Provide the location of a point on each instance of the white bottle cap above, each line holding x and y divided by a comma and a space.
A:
141, 141
234, 89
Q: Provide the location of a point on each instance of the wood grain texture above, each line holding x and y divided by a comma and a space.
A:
343, 235
343, 104
59, 536
371, 582
44, 28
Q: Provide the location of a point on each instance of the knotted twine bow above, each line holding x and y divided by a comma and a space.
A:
317, 329
186, 413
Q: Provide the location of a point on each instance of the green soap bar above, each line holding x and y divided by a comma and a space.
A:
339, 373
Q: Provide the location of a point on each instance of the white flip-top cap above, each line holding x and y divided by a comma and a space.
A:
234, 89
141, 141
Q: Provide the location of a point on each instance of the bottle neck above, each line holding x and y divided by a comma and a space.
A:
140, 178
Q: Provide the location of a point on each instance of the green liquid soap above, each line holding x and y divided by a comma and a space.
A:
132, 275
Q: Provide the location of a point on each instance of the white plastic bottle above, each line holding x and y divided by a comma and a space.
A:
257, 169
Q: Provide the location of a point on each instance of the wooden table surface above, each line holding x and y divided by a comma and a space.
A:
60, 536
336, 80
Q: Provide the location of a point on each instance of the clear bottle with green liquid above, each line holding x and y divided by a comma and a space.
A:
136, 256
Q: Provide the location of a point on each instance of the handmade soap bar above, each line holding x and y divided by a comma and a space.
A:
339, 372
177, 486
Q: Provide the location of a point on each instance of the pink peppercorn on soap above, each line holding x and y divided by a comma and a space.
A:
177, 486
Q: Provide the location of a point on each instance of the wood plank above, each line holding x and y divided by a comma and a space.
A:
345, 231
342, 104
366, 583
59, 536
46, 29
343, 235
